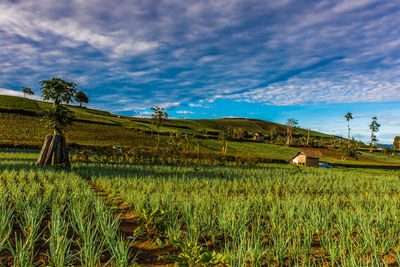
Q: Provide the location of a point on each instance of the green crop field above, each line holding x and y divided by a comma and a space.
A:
119, 214
21, 126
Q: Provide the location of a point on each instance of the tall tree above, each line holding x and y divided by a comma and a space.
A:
158, 116
291, 125
348, 117
81, 97
27, 91
374, 127
396, 143
308, 137
54, 150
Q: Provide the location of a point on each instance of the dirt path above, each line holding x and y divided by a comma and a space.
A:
147, 253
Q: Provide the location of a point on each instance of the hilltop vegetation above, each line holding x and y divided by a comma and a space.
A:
22, 126
202, 128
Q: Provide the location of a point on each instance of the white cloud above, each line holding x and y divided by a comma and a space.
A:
206, 59
144, 113
10, 92
184, 112
195, 105
17, 93
130, 48
159, 51
302, 91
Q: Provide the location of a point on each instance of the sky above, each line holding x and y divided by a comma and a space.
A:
309, 60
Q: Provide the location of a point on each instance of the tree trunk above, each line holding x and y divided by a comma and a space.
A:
54, 151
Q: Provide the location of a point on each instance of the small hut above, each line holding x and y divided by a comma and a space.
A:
307, 157
259, 137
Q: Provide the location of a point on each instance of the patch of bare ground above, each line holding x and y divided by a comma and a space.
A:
147, 252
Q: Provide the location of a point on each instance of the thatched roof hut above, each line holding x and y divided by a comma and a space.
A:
307, 157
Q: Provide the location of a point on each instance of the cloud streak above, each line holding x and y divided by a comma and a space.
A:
180, 53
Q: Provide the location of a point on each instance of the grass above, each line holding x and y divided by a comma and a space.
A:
18, 103
354, 162
276, 215
90, 117
378, 156
97, 128
53, 224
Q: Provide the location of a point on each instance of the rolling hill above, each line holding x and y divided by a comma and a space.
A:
21, 125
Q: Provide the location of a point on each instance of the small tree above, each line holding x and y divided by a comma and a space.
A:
290, 127
158, 116
374, 127
396, 143
27, 91
348, 117
54, 150
81, 97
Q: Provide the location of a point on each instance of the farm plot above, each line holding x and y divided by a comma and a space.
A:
53, 218
271, 216
278, 215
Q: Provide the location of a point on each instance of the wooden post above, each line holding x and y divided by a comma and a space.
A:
54, 151
43, 151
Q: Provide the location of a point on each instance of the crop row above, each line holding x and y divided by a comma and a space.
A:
262, 216
54, 218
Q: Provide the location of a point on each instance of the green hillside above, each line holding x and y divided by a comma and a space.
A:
21, 125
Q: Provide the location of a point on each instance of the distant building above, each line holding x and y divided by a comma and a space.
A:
307, 157
258, 137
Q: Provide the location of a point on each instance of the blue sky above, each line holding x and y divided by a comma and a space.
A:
272, 60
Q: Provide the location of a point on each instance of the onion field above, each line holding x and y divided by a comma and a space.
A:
148, 215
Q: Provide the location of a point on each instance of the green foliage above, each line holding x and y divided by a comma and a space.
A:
158, 116
261, 216
6, 217
154, 222
348, 117
351, 149
193, 254
277, 215
53, 223
81, 97
58, 90
381, 157
396, 143
59, 117
27, 91
374, 127
14, 103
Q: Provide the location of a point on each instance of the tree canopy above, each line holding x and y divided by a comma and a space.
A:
374, 127
396, 143
348, 116
58, 90
158, 116
27, 91
81, 97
